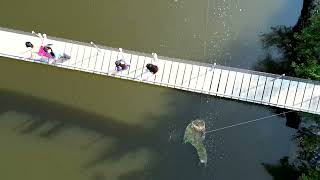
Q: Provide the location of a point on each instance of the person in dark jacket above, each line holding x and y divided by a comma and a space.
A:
152, 68
121, 65
29, 45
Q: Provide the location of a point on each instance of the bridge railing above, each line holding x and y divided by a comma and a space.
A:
273, 77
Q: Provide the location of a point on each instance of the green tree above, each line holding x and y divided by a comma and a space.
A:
299, 47
310, 175
297, 54
307, 50
307, 143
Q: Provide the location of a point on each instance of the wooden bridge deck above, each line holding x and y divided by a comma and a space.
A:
245, 85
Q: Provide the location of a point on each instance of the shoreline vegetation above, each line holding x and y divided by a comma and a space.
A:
295, 51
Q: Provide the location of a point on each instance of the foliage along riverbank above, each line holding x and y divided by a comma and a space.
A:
295, 51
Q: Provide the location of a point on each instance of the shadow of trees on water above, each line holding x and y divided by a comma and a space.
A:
62, 117
129, 137
293, 51
278, 51
283, 170
274, 66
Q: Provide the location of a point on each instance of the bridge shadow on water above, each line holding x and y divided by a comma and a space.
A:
171, 157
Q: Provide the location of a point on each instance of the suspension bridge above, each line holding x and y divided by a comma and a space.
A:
211, 79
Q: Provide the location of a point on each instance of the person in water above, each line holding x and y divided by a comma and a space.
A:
152, 68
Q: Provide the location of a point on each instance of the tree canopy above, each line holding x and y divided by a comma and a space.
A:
301, 49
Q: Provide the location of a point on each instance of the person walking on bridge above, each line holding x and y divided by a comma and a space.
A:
152, 67
120, 63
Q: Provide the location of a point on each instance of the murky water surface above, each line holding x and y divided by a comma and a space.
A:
59, 124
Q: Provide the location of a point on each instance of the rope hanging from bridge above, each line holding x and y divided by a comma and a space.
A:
247, 122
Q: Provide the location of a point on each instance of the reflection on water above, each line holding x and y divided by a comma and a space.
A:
58, 124
68, 141
61, 141
105, 96
63, 146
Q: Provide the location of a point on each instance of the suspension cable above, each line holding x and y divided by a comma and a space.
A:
247, 122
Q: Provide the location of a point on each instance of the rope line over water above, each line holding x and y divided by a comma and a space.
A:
247, 122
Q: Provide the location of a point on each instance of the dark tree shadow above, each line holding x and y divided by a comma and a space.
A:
129, 138
61, 117
283, 170
281, 57
275, 66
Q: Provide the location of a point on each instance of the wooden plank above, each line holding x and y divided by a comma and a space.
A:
215, 81
58, 47
201, 78
4, 37
140, 68
291, 93
99, 63
315, 99
208, 80
275, 91
106, 61
127, 58
10, 46
318, 107
223, 81
80, 56
68, 51
299, 95
283, 92
186, 76
194, 77
245, 86
133, 66
260, 88
231, 79
307, 96
267, 90
159, 75
166, 72
112, 66
67, 48
93, 59
180, 74
237, 85
87, 57
253, 87
74, 55
148, 76
173, 73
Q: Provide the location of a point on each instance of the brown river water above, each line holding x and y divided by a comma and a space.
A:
69, 125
